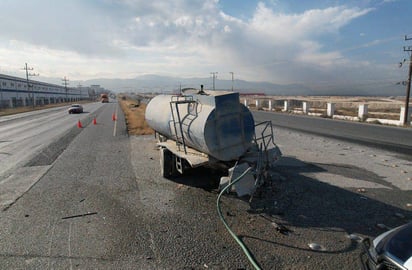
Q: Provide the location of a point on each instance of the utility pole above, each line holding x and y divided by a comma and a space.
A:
232, 78
80, 91
408, 85
214, 74
1, 96
65, 83
26, 68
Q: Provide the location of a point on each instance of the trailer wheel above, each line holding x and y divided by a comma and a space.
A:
167, 163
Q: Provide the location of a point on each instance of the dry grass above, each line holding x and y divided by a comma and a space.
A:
390, 116
134, 114
347, 112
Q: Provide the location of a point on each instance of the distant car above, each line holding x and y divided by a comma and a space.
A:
391, 250
75, 108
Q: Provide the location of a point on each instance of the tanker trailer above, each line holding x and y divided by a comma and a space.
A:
211, 128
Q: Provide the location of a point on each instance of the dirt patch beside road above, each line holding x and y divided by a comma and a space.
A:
134, 112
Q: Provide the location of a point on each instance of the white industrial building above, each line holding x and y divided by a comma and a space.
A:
16, 92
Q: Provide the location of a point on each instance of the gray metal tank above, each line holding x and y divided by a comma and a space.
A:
213, 122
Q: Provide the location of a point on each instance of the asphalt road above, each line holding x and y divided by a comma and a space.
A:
29, 144
26, 134
396, 139
102, 204
91, 177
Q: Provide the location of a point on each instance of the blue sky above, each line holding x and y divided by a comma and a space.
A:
322, 44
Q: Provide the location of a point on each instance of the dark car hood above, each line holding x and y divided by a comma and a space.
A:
398, 243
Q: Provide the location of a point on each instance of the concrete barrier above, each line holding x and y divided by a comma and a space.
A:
363, 112
330, 109
305, 107
402, 115
286, 106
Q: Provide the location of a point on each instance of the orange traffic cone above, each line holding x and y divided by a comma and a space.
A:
114, 117
94, 121
79, 124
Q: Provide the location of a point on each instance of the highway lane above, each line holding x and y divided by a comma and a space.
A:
396, 139
25, 135
92, 176
30, 142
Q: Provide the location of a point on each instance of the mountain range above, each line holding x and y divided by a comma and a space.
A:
166, 84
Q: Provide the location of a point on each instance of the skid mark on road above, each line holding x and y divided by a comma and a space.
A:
154, 248
70, 246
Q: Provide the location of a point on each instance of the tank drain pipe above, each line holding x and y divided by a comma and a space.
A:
219, 211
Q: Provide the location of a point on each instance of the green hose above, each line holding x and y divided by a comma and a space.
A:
241, 244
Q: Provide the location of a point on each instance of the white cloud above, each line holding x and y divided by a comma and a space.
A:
189, 38
309, 24
278, 45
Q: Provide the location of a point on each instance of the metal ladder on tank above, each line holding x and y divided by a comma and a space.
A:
177, 119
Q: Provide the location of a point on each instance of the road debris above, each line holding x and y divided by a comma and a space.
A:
316, 247
281, 228
355, 237
230, 214
81, 215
